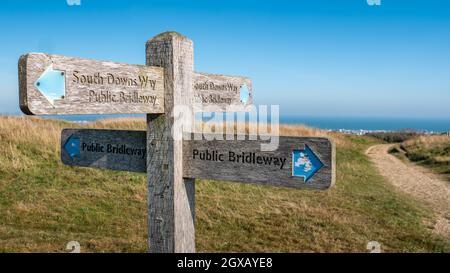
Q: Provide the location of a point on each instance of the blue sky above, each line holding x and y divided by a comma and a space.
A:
312, 57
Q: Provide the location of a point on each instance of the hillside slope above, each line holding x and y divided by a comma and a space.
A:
44, 204
432, 152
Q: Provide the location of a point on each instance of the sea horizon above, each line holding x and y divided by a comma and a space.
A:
421, 124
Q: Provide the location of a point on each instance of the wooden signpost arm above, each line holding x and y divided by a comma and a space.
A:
171, 199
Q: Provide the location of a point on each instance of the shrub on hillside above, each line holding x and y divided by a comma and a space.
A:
394, 137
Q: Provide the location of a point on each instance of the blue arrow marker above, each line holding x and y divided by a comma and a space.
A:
244, 94
305, 163
72, 146
52, 84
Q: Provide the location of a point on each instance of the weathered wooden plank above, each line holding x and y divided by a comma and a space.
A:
214, 92
53, 84
105, 149
115, 142
171, 212
243, 161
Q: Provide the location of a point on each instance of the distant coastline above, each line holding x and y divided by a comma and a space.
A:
353, 125
372, 124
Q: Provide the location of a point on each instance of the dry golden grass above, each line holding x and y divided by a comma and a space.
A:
284, 130
432, 152
428, 142
120, 123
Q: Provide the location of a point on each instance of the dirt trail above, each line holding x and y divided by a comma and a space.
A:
417, 182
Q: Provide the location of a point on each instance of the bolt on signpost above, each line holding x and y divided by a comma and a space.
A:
171, 154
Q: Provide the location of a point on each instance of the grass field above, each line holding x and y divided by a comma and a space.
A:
432, 152
44, 204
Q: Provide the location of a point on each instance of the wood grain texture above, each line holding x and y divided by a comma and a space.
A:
88, 83
218, 93
171, 198
266, 174
107, 149
227, 171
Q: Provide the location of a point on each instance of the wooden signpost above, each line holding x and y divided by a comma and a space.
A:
51, 84
220, 92
299, 162
105, 149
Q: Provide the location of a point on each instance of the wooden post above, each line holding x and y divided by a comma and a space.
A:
169, 92
171, 199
